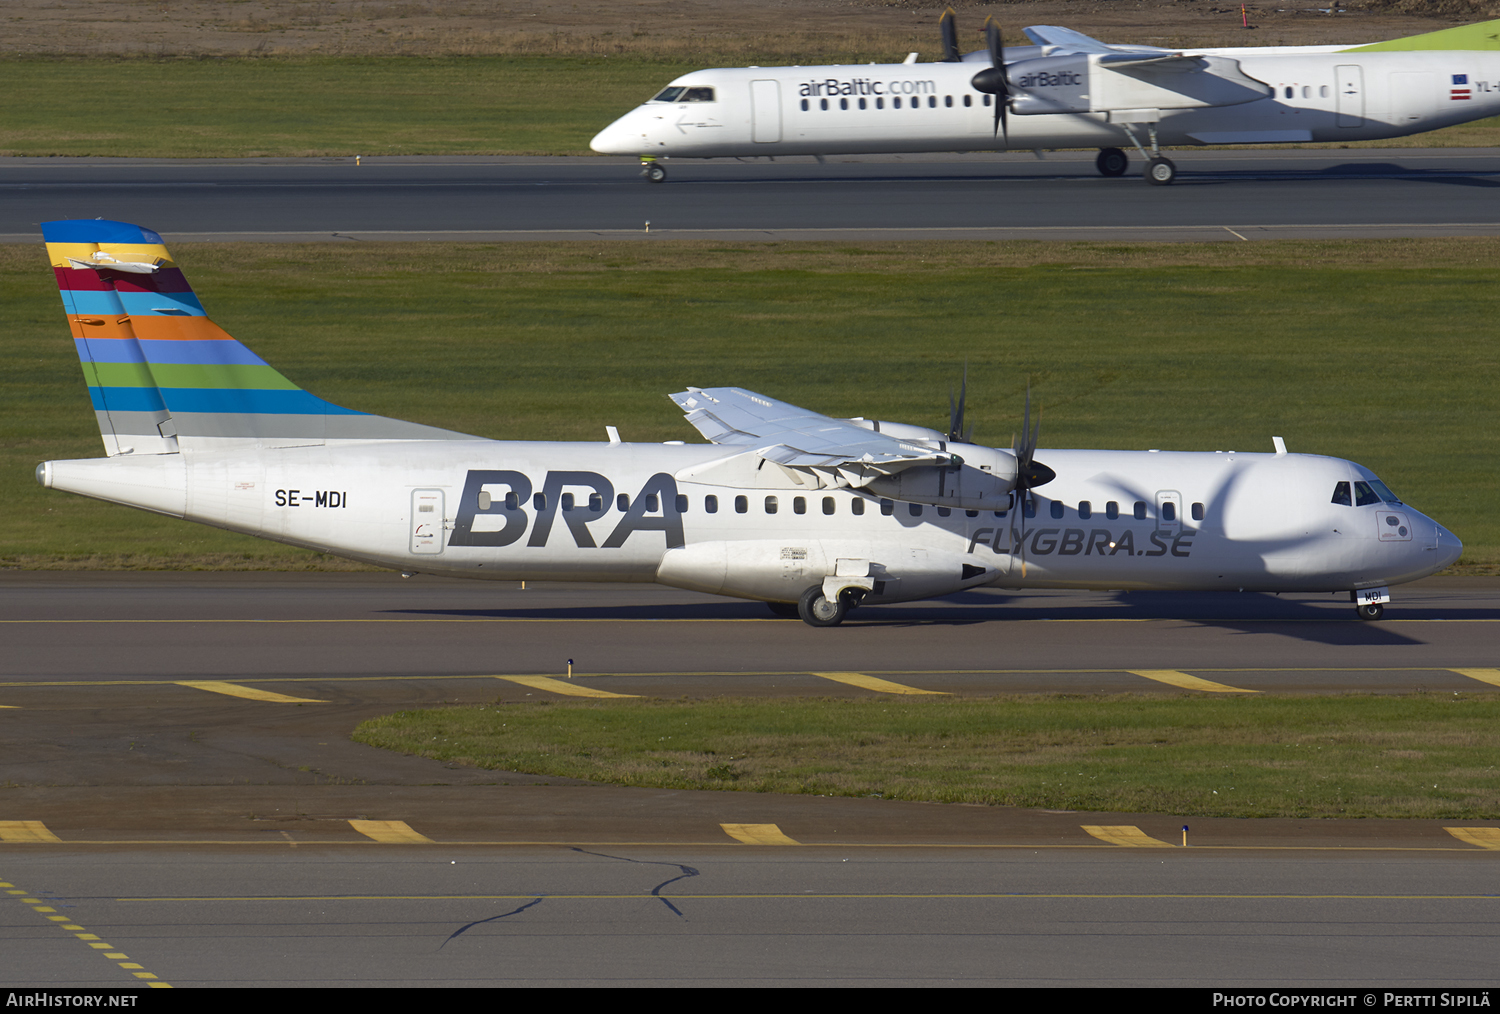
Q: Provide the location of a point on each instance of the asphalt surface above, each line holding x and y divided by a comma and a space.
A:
178, 786
1220, 195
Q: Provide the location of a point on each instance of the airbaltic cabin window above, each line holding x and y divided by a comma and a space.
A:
678, 93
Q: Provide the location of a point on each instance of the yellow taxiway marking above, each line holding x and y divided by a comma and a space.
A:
1491, 676
90, 940
26, 830
1484, 837
758, 834
1182, 679
391, 832
558, 686
249, 693
875, 683
1125, 834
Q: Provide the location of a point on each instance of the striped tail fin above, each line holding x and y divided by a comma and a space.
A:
161, 375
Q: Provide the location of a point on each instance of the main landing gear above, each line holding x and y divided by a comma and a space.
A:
1160, 171
818, 611
1112, 162
651, 170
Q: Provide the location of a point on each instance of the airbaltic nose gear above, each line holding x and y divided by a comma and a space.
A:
653, 172
1160, 171
1112, 162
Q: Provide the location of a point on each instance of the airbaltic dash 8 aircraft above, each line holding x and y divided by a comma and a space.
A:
811, 514
1071, 91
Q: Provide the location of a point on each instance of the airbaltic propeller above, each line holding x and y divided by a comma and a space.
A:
811, 514
1071, 91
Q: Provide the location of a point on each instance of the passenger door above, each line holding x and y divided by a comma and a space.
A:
765, 111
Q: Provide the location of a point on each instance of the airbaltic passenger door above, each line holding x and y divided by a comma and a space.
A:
765, 111
1351, 95
427, 521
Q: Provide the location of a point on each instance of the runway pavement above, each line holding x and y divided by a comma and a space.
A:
1230, 196
180, 803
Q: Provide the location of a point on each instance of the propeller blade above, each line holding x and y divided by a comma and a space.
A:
996, 45
956, 431
948, 26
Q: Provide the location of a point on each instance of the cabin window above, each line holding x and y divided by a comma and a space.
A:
1001, 514
1140, 510
771, 505
1306, 92
915, 509
622, 503
862, 103
1112, 510
596, 503
680, 503
1085, 509
823, 104
858, 506
1028, 507
1364, 496
1289, 93
711, 504
742, 505
968, 100
512, 501
932, 102
653, 504
539, 501
944, 512
971, 514
1057, 508
986, 100
948, 101
887, 508
828, 505
880, 103
1322, 91
896, 102
1168, 511
843, 103
567, 501
799, 505
804, 105
1197, 512
1341, 494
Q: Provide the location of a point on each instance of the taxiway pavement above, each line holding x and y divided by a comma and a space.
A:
1229, 196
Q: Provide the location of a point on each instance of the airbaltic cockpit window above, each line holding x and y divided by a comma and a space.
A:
669, 94
1364, 496
1342, 495
686, 95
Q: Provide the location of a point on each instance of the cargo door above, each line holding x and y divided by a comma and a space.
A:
426, 522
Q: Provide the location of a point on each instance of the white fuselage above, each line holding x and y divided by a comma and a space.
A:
1317, 94
699, 516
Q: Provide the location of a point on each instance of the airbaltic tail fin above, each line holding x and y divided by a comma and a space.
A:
161, 374
1482, 36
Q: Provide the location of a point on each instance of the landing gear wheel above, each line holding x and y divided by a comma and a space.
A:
1160, 171
786, 610
1112, 162
654, 173
1373, 611
817, 611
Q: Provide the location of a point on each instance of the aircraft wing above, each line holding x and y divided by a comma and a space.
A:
797, 438
1066, 42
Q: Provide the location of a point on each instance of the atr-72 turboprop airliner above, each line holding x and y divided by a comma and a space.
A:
1071, 91
811, 514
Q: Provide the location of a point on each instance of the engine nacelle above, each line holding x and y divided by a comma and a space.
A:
982, 482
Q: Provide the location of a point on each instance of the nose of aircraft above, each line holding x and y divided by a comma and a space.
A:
619, 138
1449, 549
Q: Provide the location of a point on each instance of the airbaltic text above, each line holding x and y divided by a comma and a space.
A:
865, 86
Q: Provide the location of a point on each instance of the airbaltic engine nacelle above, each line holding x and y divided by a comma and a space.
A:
981, 481
1101, 83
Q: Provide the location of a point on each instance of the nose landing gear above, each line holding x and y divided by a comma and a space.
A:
651, 170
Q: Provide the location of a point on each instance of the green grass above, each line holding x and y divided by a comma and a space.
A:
346, 106
1429, 756
1382, 352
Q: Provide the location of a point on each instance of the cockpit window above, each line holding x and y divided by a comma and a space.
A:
1342, 495
1364, 496
1383, 491
680, 94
